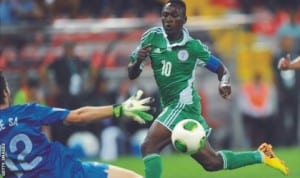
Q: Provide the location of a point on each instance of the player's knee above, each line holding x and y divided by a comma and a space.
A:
145, 147
149, 147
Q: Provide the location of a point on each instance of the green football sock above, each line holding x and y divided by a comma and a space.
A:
153, 166
233, 160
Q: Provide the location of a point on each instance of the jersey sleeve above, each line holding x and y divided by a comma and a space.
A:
48, 115
203, 53
145, 40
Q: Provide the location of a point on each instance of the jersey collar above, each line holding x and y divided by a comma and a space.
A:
184, 40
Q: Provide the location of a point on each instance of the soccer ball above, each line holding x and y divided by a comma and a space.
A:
188, 136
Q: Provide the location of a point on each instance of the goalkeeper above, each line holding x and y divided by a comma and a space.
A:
29, 153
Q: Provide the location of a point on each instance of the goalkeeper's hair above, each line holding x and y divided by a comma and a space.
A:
3, 87
179, 3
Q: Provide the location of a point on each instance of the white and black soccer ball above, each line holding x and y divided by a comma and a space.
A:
188, 136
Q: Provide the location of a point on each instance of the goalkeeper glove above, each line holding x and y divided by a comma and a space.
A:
134, 108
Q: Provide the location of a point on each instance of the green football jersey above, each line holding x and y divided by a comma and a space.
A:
174, 64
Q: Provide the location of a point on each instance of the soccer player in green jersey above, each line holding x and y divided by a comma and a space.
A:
174, 57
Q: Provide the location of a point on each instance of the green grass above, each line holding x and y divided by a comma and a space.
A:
182, 166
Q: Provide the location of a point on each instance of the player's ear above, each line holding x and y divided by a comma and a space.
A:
6, 92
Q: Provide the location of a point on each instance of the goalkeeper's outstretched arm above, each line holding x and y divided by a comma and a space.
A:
89, 114
134, 107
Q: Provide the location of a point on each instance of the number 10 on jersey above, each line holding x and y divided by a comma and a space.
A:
166, 68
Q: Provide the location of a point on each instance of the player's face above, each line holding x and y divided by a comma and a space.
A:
173, 19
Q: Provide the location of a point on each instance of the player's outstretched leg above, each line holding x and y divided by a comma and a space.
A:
225, 159
270, 159
115, 171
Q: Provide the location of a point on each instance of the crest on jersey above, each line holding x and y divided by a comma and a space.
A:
183, 55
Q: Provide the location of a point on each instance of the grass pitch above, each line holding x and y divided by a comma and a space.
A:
182, 166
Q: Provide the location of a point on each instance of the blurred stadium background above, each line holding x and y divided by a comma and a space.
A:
249, 36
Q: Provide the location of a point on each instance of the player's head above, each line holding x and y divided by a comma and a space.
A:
5, 92
173, 17
69, 47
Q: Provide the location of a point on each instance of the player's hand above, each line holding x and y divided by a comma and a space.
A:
143, 53
135, 107
284, 63
225, 87
225, 90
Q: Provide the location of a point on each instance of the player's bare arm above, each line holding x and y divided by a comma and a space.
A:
134, 69
286, 63
224, 78
215, 65
295, 64
89, 114
134, 107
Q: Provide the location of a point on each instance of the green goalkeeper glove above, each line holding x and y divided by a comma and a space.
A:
134, 108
